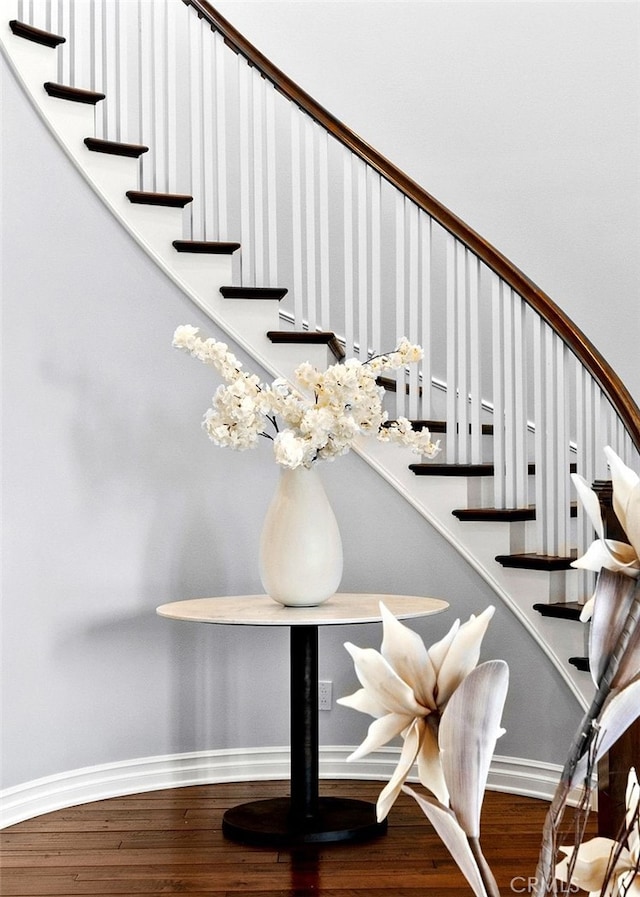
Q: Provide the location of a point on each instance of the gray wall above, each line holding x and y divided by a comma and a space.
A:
115, 502
521, 116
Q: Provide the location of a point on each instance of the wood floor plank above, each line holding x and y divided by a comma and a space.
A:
170, 842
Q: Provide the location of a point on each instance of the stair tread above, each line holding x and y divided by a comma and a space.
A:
502, 514
276, 293
36, 35
530, 561
74, 94
115, 148
315, 337
391, 385
580, 663
452, 470
485, 469
209, 247
562, 610
143, 197
439, 426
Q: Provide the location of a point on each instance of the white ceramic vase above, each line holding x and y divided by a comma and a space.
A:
300, 547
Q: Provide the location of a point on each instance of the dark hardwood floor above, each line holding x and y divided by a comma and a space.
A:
170, 842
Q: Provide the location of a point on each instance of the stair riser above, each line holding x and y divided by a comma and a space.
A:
112, 175
203, 273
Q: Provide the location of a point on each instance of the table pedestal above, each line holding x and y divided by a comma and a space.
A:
304, 817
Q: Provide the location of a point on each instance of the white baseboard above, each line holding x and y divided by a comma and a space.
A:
80, 786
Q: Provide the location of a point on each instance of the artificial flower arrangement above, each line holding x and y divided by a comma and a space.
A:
317, 422
447, 709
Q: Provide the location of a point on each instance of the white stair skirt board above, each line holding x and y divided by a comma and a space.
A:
79, 786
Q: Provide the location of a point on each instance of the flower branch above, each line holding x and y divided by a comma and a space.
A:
322, 418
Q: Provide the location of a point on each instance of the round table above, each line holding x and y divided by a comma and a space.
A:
304, 817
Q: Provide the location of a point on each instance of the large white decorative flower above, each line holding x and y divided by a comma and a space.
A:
621, 557
406, 688
345, 402
601, 861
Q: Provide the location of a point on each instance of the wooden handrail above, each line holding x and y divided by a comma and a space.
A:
582, 347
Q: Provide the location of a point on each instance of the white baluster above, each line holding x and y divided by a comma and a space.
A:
539, 432
426, 249
508, 368
208, 198
462, 351
475, 381
221, 138
498, 392
272, 193
400, 295
562, 449
196, 159
258, 177
248, 248
551, 443
452, 349
349, 335
310, 222
324, 237
376, 261
296, 214
413, 305
146, 102
521, 471
362, 278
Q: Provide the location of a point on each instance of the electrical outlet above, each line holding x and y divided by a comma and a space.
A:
324, 695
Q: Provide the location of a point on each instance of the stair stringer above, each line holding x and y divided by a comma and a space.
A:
246, 323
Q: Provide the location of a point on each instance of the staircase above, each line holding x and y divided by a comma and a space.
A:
289, 231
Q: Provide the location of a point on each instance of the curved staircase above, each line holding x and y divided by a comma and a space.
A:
513, 425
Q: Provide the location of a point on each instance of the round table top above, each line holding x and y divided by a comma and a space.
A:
261, 610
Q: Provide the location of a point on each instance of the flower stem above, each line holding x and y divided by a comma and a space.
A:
488, 880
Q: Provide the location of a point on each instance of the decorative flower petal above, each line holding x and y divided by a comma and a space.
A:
438, 651
383, 683
619, 712
613, 599
632, 519
462, 655
617, 556
469, 729
392, 789
430, 765
624, 481
453, 838
365, 702
380, 732
587, 611
591, 863
405, 651
590, 502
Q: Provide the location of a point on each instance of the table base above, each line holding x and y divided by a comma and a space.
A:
270, 822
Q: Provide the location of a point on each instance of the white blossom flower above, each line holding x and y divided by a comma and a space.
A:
345, 402
406, 687
603, 863
290, 450
418, 441
621, 557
